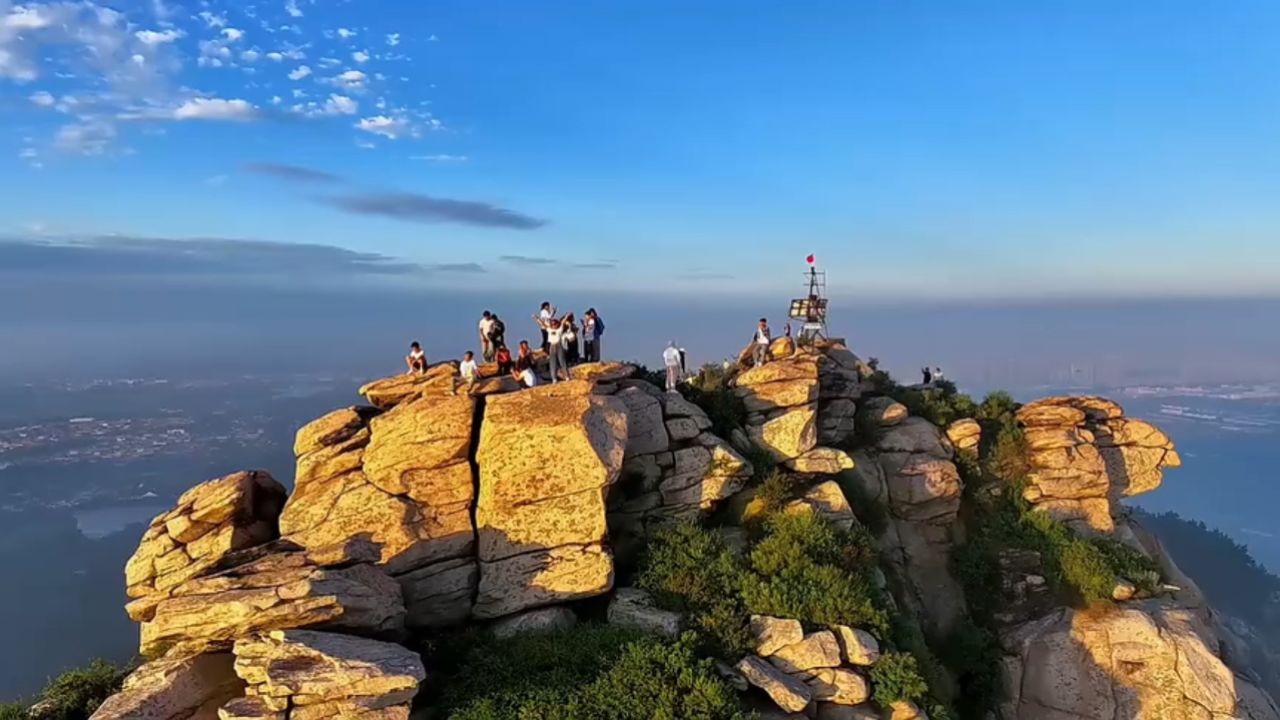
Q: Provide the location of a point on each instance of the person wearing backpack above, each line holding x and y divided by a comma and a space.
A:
497, 335
592, 329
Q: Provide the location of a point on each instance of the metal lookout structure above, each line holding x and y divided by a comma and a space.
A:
811, 310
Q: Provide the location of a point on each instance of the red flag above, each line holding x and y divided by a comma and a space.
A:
809, 259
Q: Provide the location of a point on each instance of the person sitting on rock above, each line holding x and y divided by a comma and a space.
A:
416, 359
468, 367
524, 356
503, 358
672, 360
760, 351
527, 376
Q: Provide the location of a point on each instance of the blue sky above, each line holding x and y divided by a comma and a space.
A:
921, 149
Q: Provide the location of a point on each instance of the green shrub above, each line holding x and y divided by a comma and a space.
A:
1127, 563
776, 489
13, 711
688, 568
487, 675
590, 672
710, 390
973, 655
76, 694
896, 676
805, 568
762, 463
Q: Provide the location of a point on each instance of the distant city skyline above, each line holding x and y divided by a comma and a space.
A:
922, 151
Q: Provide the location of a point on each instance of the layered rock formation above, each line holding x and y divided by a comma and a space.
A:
1085, 455
443, 503
210, 521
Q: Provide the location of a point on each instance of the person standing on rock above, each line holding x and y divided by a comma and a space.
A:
497, 336
937, 375
416, 359
571, 353
928, 375
503, 358
486, 331
555, 351
546, 315
760, 351
672, 360
592, 327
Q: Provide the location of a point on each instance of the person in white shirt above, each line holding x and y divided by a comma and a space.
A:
416, 359
486, 330
760, 350
937, 375
555, 350
671, 359
546, 316
526, 376
468, 367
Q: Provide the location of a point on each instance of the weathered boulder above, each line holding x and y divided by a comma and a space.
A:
178, 687
1085, 454
634, 608
771, 634
602, 372
209, 521
787, 433
325, 675
703, 475
782, 403
439, 595
907, 710
1158, 662
402, 481
821, 461
538, 620
965, 435
786, 692
882, 411
837, 421
832, 711
817, 650
857, 646
542, 577
826, 500
283, 588
391, 391
646, 430
837, 685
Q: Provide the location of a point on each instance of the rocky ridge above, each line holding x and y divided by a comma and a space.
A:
442, 504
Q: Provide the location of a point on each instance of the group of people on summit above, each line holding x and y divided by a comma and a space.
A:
560, 338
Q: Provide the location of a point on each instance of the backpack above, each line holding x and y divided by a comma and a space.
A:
599, 326
498, 330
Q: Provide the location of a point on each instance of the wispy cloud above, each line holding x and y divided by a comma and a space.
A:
414, 207
125, 255
467, 267
526, 260
595, 265
440, 158
292, 173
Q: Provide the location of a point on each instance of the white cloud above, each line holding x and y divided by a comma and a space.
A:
158, 37
213, 53
27, 18
346, 33
441, 158
341, 105
232, 34
213, 20
215, 109
388, 127
360, 56
301, 72
138, 59
351, 80
42, 98
291, 7
91, 137
250, 56
275, 57
276, 99
393, 39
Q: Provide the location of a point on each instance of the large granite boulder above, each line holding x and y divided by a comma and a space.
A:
546, 458
210, 521
308, 674
402, 480
439, 379
281, 587
175, 687
1158, 662
781, 398
1085, 454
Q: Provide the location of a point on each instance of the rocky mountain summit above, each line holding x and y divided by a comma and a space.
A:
808, 537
